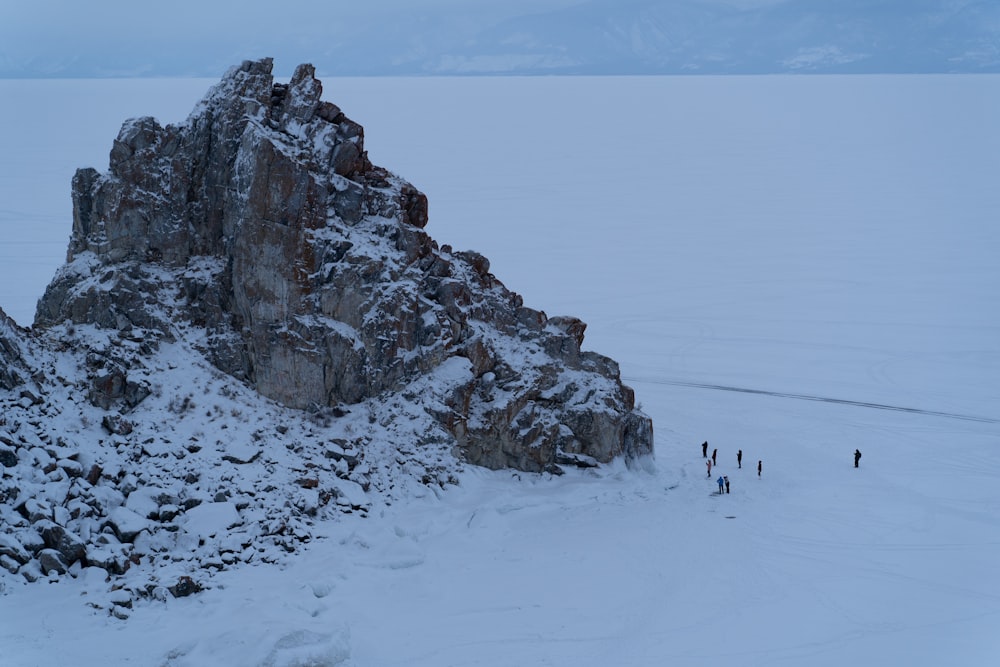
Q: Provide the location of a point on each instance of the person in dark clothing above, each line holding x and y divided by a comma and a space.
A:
739, 458
704, 450
715, 452
857, 457
758, 468
726, 479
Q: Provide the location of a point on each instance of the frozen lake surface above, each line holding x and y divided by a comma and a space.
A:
791, 266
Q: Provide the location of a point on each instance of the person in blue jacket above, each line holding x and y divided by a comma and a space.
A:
721, 483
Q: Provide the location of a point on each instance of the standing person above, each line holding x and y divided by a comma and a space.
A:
726, 478
857, 457
709, 464
739, 458
715, 452
704, 450
721, 482
758, 468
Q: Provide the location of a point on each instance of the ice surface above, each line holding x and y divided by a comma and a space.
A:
791, 266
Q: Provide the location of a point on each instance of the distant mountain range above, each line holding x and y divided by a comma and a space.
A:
550, 37
649, 37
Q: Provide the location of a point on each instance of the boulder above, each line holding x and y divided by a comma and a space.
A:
127, 523
50, 561
11, 547
70, 546
8, 457
184, 587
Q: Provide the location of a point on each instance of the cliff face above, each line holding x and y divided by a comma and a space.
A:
11, 357
260, 231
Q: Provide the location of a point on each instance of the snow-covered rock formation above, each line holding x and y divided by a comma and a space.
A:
250, 311
262, 223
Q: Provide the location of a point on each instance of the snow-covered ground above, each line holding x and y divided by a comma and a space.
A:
791, 266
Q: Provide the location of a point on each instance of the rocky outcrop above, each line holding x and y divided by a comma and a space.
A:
303, 269
253, 333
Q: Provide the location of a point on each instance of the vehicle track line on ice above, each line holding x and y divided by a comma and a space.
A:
819, 399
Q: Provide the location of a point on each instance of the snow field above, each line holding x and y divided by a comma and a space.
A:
801, 237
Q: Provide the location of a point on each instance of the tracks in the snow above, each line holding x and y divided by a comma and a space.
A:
820, 399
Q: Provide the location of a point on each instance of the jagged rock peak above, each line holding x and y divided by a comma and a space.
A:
259, 232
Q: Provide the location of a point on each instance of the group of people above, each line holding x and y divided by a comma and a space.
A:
714, 460
724, 479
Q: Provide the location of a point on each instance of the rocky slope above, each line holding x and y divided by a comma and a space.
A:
253, 330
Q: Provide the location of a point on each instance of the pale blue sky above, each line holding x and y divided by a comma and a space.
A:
67, 38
